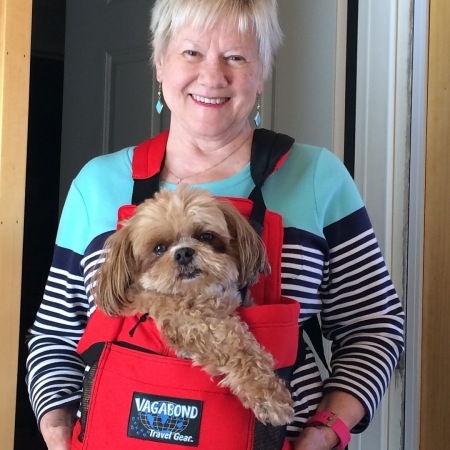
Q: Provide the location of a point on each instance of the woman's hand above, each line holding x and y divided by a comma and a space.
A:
57, 426
316, 438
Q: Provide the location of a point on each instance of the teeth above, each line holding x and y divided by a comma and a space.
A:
211, 101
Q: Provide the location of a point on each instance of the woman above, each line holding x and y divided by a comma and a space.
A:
211, 59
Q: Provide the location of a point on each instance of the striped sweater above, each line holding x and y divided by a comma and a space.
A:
331, 264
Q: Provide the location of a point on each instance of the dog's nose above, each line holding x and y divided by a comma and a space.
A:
184, 255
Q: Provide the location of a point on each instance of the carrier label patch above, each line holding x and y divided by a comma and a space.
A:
165, 419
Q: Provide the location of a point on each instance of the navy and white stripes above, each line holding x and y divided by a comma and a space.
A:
349, 286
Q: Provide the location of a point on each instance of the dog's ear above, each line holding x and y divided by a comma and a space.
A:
250, 248
114, 277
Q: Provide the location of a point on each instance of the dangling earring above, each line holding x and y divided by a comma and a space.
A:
159, 103
257, 118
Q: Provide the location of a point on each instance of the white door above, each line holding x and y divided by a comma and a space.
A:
109, 88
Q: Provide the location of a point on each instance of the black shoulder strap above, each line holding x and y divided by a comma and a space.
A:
145, 188
268, 148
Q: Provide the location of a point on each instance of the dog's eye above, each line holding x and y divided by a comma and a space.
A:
206, 237
160, 249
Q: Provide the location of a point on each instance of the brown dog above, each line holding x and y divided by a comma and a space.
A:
182, 259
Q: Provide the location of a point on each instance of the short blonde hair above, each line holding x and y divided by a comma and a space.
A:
258, 16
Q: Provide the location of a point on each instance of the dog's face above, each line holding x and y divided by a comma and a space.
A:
179, 242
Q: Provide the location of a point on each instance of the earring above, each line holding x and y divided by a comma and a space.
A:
257, 118
159, 103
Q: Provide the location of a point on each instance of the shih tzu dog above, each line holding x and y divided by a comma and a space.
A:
182, 259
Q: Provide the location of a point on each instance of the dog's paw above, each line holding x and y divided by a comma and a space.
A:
277, 406
274, 413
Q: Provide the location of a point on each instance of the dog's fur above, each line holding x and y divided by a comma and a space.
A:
182, 258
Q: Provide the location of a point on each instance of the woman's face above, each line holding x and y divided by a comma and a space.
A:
210, 80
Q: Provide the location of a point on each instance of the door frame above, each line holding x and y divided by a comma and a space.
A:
435, 353
15, 38
416, 225
382, 152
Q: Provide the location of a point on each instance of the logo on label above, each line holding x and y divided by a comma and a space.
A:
165, 419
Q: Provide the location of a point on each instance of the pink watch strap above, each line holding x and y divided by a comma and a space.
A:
332, 421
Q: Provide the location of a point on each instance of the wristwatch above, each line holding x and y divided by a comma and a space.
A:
332, 421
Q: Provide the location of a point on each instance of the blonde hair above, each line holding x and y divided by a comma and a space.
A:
258, 16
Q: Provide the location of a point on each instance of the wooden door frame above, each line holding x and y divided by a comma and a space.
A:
15, 44
435, 357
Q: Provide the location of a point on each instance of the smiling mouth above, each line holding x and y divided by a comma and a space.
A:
210, 101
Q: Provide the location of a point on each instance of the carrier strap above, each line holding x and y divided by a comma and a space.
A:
143, 186
268, 152
313, 330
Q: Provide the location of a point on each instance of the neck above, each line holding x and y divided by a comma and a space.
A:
182, 138
202, 160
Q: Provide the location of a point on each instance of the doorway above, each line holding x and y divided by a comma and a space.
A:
43, 184
42, 189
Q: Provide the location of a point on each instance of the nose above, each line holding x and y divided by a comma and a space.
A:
184, 255
213, 74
